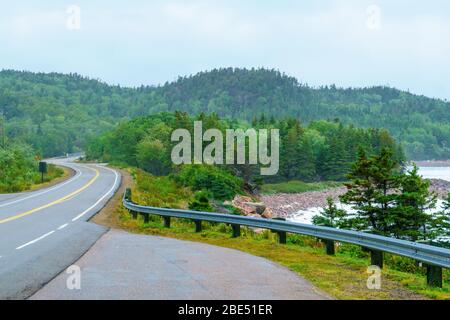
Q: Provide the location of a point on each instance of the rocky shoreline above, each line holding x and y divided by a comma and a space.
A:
441, 187
284, 205
433, 163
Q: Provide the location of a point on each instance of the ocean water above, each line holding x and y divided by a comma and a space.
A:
305, 216
435, 172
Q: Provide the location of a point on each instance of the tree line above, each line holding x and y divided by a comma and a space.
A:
322, 150
57, 113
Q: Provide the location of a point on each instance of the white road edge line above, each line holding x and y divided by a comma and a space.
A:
63, 226
103, 197
78, 175
35, 240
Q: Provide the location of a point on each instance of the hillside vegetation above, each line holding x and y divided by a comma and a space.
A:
57, 113
19, 169
322, 150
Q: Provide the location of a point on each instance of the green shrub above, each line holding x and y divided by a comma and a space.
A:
220, 183
18, 169
201, 202
160, 192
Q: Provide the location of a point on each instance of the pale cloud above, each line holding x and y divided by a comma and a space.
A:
320, 42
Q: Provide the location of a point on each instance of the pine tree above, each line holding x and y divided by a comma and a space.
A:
372, 180
412, 222
333, 164
331, 216
307, 161
441, 221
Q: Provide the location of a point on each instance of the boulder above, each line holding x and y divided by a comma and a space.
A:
268, 214
257, 207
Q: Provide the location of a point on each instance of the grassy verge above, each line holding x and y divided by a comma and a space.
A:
343, 276
53, 176
298, 187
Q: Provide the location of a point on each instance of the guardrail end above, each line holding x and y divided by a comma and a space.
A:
127, 194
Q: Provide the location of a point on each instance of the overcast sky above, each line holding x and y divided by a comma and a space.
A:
405, 44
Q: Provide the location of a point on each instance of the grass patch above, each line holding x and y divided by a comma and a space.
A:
296, 186
160, 192
53, 176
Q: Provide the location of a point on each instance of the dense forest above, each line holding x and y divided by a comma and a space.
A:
322, 150
58, 113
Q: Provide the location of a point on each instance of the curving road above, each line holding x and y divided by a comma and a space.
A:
43, 232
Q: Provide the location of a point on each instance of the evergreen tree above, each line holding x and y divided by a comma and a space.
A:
330, 216
412, 222
372, 180
441, 221
333, 164
307, 161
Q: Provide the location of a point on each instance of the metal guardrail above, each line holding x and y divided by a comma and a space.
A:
435, 258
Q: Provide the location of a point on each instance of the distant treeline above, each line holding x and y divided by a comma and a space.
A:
322, 150
58, 113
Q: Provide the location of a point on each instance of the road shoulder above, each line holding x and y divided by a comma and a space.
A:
122, 265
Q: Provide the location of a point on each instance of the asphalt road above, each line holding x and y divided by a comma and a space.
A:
45, 231
130, 266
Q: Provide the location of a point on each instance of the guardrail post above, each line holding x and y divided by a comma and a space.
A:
166, 222
128, 194
198, 226
329, 247
134, 214
236, 230
146, 217
376, 258
434, 276
282, 237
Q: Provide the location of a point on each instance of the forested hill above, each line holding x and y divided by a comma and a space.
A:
57, 113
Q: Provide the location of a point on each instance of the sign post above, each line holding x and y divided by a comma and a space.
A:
42, 169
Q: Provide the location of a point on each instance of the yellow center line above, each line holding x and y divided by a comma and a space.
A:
21, 215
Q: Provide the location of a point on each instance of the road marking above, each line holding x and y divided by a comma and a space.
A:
100, 200
63, 226
79, 174
35, 240
21, 215
63, 199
